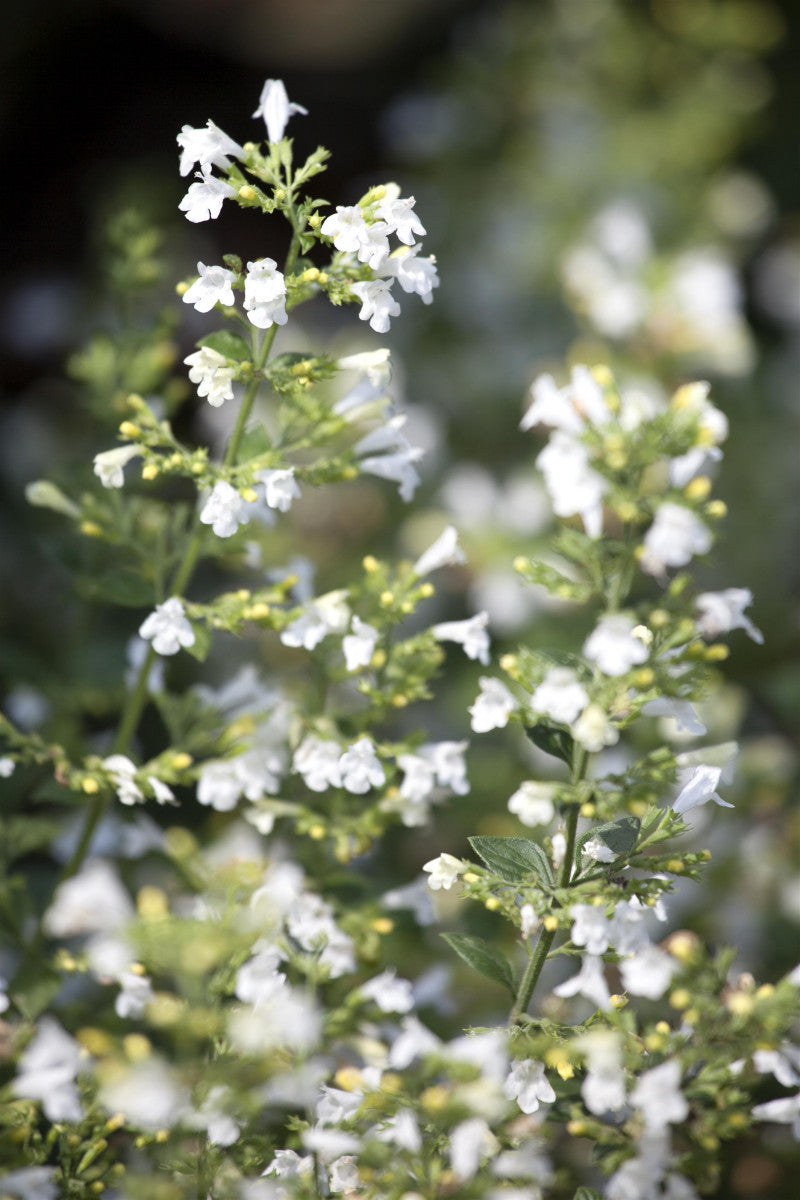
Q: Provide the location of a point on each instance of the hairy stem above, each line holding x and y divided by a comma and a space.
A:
533, 970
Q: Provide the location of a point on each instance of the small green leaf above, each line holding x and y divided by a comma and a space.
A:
620, 835
34, 988
202, 642
255, 442
483, 957
587, 1193
513, 858
227, 343
553, 739
123, 585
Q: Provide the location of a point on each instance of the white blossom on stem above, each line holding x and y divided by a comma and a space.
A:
471, 634
225, 510
675, 536
213, 374
493, 705
613, 646
209, 147
359, 646
280, 487
361, 768
276, 108
167, 627
721, 612
528, 1085
444, 552
203, 201
399, 216
560, 696
213, 286
443, 870
265, 294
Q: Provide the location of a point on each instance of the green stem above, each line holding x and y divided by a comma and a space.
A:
137, 698
533, 970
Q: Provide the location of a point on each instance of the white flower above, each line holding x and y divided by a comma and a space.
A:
398, 215
682, 712
387, 453
265, 294
551, 406
213, 374
471, 634
784, 1064
389, 993
287, 1164
603, 1089
276, 108
574, 487
146, 1094
444, 552
444, 871
560, 696
674, 537
327, 614
414, 274
589, 982
224, 510
374, 246
593, 729
493, 705
48, 1067
212, 287
448, 763
613, 645
208, 147
135, 994
280, 487
628, 934
221, 1128
720, 612
648, 973
167, 627
699, 785
310, 922
30, 1183
784, 1111
401, 1130
528, 1085
471, 1141
377, 303
109, 464
317, 761
343, 1175
359, 646
7, 767
591, 928
361, 768
528, 920
658, 1097
258, 979
532, 802
414, 1040
598, 851
93, 901
684, 467
347, 227
203, 201
375, 363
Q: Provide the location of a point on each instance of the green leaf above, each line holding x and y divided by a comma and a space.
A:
255, 442
34, 988
483, 958
202, 642
232, 345
513, 858
123, 585
587, 1193
553, 739
620, 835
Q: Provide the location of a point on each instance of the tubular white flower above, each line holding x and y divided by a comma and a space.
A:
722, 612
203, 201
212, 287
377, 303
612, 645
265, 294
361, 768
471, 634
347, 227
276, 108
280, 487
209, 147
167, 627
532, 802
528, 1085
109, 464
493, 705
443, 871
444, 552
225, 510
674, 537
560, 696
359, 646
213, 374
398, 215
